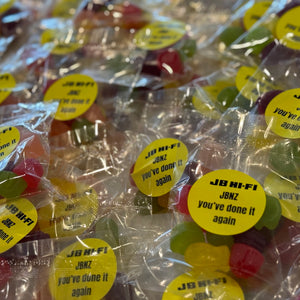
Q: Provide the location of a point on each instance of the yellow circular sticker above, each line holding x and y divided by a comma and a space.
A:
208, 285
287, 28
84, 270
287, 191
7, 84
283, 114
226, 202
17, 218
9, 139
159, 166
76, 94
254, 13
62, 41
251, 82
5, 5
159, 35
72, 213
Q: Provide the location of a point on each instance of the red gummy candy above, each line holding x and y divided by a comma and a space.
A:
31, 171
5, 272
181, 199
245, 261
170, 62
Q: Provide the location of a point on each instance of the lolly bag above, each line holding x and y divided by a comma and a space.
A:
245, 33
25, 147
276, 26
49, 273
89, 73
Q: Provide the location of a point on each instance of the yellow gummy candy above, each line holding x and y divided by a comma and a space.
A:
204, 257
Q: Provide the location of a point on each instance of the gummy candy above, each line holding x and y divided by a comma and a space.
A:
258, 38
107, 229
203, 256
246, 256
227, 96
170, 62
262, 102
245, 261
184, 234
272, 214
31, 171
284, 157
231, 34
181, 199
11, 185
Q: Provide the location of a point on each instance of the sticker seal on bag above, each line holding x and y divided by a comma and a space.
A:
9, 139
288, 28
207, 285
7, 83
74, 214
287, 190
159, 35
85, 270
226, 202
254, 13
249, 79
159, 166
283, 114
17, 218
76, 93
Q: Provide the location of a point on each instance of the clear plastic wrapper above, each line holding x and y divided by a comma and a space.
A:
245, 34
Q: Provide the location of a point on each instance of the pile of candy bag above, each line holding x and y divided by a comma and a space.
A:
149, 149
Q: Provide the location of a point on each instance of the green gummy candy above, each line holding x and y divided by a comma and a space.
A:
231, 34
271, 215
189, 48
226, 97
107, 230
258, 39
183, 235
284, 157
219, 240
11, 185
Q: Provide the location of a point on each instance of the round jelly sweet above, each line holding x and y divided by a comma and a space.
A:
245, 261
189, 47
231, 34
203, 256
184, 234
226, 97
11, 184
262, 102
170, 62
181, 199
272, 214
257, 39
107, 229
31, 171
284, 157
